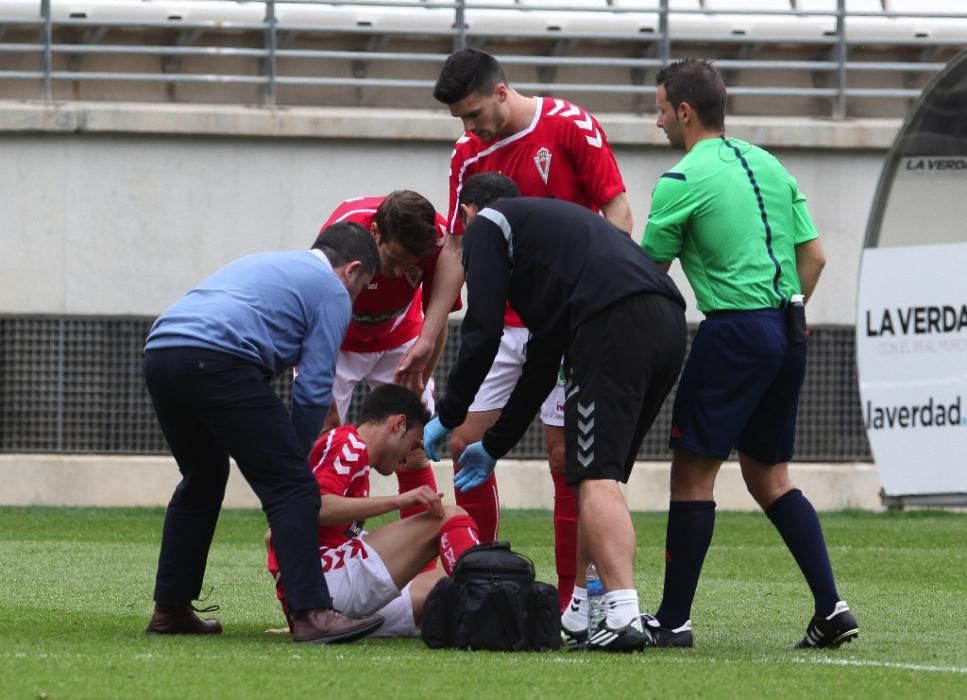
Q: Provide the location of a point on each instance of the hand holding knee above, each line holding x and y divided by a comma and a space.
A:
423, 496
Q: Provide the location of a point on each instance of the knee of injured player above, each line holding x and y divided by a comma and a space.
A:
452, 511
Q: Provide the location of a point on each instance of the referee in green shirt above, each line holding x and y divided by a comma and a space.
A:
736, 220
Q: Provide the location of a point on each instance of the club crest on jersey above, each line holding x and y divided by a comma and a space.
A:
543, 162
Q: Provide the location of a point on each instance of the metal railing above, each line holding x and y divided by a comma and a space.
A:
609, 47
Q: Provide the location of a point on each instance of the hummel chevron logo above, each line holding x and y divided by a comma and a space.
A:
570, 389
357, 443
586, 437
587, 124
338, 466
349, 455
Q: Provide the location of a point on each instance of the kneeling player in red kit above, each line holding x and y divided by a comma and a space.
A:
380, 570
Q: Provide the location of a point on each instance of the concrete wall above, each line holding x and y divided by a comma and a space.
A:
72, 480
117, 209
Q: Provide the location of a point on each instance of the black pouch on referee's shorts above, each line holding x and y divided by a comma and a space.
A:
492, 602
796, 320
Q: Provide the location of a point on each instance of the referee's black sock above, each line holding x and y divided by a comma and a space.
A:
797, 522
689, 533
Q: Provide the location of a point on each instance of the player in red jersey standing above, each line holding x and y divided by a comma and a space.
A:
380, 570
550, 148
388, 314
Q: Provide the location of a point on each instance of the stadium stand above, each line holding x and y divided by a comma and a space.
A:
870, 62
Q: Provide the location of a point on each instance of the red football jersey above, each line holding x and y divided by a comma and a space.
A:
562, 154
340, 463
389, 312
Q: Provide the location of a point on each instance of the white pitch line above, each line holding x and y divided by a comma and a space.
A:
884, 664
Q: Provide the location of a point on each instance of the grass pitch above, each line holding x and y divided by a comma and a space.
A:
76, 590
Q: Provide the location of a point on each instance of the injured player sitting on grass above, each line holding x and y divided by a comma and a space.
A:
380, 571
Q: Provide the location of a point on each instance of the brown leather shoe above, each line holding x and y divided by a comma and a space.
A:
180, 620
329, 627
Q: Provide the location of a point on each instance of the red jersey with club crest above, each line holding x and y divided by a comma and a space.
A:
562, 154
389, 312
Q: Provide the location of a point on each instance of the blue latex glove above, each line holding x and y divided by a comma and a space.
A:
434, 439
476, 466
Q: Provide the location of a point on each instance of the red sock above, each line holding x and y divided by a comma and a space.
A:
565, 537
483, 505
457, 534
409, 479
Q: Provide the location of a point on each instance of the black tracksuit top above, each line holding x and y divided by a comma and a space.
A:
558, 264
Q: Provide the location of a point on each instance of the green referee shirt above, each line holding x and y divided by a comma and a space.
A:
733, 215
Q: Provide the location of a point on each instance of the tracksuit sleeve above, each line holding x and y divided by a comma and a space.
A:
312, 388
536, 381
487, 268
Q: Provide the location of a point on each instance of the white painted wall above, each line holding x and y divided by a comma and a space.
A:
108, 210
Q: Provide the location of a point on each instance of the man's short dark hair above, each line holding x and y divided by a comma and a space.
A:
466, 72
392, 400
697, 82
408, 218
346, 242
487, 187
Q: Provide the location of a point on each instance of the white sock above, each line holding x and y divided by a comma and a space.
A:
622, 607
575, 617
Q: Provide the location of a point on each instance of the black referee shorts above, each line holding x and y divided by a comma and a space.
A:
620, 367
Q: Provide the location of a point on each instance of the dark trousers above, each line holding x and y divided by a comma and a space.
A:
211, 405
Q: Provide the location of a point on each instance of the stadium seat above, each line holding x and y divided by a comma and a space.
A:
787, 26
749, 6
879, 30
695, 22
602, 22
952, 7
577, 5
417, 19
684, 4
945, 28
830, 5
106, 10
510, 21
233, 12
19, 9
294, 16
160, 10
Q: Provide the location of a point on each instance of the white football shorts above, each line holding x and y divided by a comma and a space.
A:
374, 368
504, 373
360, 585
